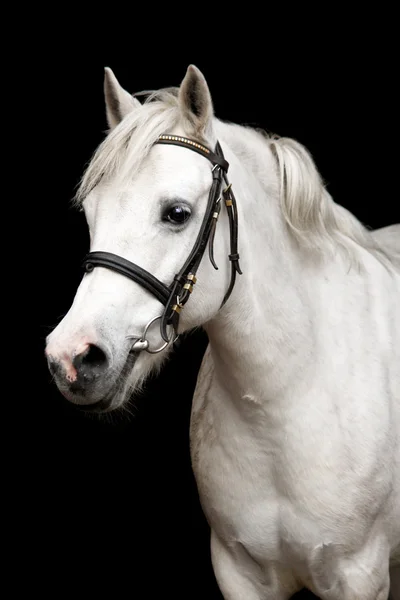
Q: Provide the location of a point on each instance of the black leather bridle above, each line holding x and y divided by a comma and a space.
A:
175, 296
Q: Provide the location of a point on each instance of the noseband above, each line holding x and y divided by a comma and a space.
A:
175, 296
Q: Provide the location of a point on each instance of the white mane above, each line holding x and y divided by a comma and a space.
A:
308, 208
314, 219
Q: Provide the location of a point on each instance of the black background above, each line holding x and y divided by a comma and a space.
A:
110, 506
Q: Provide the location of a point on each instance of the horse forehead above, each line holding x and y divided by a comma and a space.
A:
167, 164
167, 171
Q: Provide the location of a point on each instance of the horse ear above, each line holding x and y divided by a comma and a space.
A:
195, 101
119, 102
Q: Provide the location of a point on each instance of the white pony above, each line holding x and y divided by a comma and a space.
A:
295, 428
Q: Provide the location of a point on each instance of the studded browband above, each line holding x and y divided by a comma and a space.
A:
175, 296
178, 140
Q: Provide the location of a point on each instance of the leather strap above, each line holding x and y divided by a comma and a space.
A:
230, 202
193, 261
178, 140
130, 270
212, 235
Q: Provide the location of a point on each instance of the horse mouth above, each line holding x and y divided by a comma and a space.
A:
118, 388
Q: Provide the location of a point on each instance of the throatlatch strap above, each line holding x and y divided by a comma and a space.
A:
230, 203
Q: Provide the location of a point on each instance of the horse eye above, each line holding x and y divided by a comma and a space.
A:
177, 214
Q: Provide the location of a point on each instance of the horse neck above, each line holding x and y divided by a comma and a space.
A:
262, 335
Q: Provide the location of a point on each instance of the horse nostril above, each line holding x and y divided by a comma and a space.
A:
91, 362
94, 356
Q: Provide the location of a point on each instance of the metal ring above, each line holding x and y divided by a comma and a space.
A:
165, 343
143, 339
